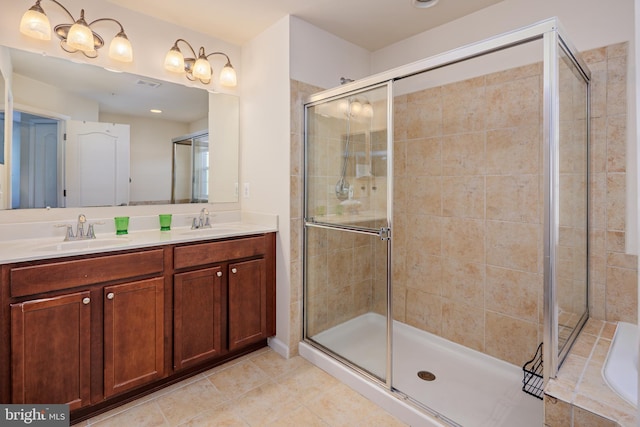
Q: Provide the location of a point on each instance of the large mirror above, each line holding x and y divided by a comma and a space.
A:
87, 136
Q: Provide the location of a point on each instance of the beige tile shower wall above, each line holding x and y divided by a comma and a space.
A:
467, 241
299, 92
612, 273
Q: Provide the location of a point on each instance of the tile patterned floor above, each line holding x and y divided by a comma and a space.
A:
260, 389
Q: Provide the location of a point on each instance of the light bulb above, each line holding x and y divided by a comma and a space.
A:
367, 109
35, 24
174, 61
343, 106
80, 36
356, 107
202, 69
120, 48
228, 76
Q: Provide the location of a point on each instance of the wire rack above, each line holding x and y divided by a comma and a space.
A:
532, 382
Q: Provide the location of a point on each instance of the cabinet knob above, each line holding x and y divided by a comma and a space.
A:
110, 295
234, 270
86, 300
219, 274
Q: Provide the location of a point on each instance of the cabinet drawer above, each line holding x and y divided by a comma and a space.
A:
212, 252
36, 279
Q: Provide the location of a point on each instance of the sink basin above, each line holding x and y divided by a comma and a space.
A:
78, 245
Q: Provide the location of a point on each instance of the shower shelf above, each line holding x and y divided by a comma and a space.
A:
532, 382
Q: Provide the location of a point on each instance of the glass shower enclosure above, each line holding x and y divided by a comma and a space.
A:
450, 197
190, 176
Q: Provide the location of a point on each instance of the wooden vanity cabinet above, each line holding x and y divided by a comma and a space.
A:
248, 303
197, 316
133, 335
86, 344
226, 301
51, 350
96, 331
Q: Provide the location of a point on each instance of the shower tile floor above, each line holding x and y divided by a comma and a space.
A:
471, 389
260, 389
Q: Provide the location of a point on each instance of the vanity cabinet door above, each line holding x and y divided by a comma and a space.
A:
50, 350
197, 316
133, 334
247, 303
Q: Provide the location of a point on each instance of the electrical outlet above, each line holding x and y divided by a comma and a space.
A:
246, 190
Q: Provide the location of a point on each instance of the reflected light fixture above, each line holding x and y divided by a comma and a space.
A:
198, 67
76, 37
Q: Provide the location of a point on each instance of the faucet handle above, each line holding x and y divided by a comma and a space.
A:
90, 233
69, 233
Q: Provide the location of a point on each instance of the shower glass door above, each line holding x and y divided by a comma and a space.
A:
346, 229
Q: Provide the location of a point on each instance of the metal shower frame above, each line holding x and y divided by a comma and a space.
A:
554, 42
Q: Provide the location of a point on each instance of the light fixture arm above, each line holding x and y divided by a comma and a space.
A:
107, 19
219, 53
59, 4
175, 45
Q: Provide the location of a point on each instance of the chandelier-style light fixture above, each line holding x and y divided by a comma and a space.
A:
198, 67
77, 36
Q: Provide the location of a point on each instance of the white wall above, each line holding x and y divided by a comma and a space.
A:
321, 59
264, 142
40, 98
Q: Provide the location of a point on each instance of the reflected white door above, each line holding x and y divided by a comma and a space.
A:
97, 164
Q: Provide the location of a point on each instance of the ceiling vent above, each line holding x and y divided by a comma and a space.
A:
147, 83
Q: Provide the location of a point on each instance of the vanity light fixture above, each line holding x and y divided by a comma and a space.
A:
77, 36
198, 67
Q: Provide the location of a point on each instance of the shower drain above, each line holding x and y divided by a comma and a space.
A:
426, 375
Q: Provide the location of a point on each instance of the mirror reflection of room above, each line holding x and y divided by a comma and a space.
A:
119, 124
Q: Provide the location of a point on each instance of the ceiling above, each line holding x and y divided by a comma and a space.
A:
118, 93
370, 24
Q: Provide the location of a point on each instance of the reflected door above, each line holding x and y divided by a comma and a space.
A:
346, 233
96, 164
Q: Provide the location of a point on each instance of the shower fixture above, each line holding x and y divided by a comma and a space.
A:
352, 108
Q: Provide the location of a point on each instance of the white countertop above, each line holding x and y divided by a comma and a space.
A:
34, 248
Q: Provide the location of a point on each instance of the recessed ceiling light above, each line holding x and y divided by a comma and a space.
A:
423, 4
156, 111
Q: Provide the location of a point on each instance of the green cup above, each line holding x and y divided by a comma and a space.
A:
165, 222
122, 224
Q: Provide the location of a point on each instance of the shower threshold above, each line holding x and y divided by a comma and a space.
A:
470, 388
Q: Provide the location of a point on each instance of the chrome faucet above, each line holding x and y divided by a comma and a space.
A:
202, 221
80, 232
82, 219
